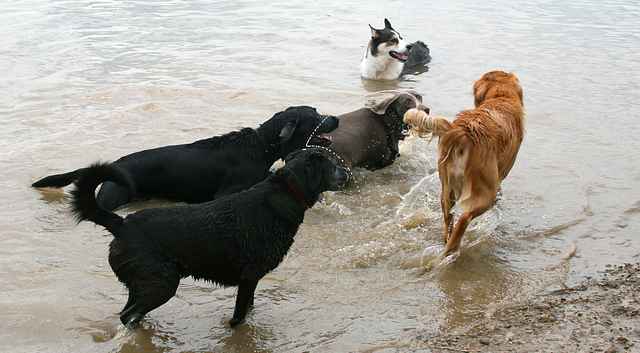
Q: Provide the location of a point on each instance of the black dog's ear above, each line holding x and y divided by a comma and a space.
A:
312, 165
287, 131
387, 24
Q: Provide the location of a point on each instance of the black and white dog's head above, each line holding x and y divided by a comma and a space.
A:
388, 41
385, 55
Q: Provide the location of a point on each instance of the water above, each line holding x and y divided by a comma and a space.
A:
89, 80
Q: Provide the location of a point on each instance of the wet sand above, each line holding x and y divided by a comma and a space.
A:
601, 314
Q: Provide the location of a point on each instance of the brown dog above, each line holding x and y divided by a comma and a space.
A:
477, 150
369, 137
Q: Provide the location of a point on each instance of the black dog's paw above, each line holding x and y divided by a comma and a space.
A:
235, 322
133, 322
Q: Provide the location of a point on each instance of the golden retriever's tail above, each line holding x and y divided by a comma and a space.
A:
423, 123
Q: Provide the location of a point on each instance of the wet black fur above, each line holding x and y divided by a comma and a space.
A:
232, 241
207, 169
419, 57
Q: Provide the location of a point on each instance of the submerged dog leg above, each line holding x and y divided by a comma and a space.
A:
447, 201
244, 299
146, 294
130, 302
131, 317
454, 240
453, 243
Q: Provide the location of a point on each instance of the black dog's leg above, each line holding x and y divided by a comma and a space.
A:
251, 300
112, 196
244, 299
245, 293
130, 302
131, 316
146, 294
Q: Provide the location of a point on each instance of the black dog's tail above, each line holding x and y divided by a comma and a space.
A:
58, 180
85, 206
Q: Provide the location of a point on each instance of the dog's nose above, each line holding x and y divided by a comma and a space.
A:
341, 176
330, 123
424, 108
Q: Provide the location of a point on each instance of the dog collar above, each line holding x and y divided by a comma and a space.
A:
294, 191
326, 149
335, 155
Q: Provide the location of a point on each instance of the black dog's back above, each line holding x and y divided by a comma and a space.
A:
215, 240
210, 168
193, 173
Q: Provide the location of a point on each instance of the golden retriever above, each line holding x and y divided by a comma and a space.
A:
476, 150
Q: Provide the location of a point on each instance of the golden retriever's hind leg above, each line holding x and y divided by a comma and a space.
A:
447, 203
453, 242
455, 239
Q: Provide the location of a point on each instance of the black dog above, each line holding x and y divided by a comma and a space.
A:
207, 169
369, 137
232, 241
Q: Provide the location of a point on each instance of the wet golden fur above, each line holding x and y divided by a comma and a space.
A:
477, 150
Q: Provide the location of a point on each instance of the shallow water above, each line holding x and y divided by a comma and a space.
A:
88, 80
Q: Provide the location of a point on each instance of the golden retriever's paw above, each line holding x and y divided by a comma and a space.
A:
425, 262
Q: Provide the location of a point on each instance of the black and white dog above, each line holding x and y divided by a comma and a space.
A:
388, 56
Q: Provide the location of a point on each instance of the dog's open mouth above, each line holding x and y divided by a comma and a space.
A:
399, 56
322, 140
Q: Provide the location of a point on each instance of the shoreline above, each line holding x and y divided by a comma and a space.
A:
597, 315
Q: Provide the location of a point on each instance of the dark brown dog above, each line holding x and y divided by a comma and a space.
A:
477, 150
369, 137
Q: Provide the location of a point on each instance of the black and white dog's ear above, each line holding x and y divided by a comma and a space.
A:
387, 24
287, 131
374, 32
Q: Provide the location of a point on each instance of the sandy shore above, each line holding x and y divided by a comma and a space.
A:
599, 315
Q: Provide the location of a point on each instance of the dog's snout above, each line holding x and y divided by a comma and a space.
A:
329, 124
341, 176
424, 108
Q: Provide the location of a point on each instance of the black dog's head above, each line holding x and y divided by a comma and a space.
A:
306, 174
314, 172
289, 130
